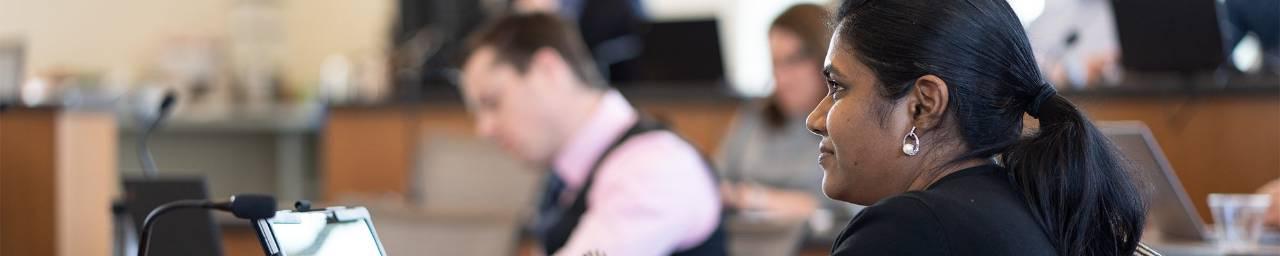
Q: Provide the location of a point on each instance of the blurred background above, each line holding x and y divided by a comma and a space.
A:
353, 103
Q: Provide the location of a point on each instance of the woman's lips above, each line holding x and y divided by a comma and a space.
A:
825, 147
825, 151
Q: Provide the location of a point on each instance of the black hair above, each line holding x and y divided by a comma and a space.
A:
1068, 173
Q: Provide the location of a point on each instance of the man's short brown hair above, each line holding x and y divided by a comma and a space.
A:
515, 39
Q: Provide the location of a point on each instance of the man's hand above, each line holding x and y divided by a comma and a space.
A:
1273, 213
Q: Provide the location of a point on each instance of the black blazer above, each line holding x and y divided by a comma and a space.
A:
976, 211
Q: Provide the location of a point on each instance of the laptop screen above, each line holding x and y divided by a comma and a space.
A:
1171, 214
329, 232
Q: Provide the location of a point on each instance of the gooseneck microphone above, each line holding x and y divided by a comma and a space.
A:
248, 206
149, 122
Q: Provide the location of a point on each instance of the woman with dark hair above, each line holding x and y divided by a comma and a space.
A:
923, 121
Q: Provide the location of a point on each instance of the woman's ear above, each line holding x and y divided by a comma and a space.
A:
928, 102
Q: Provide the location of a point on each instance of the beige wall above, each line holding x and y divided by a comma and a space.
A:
105, 35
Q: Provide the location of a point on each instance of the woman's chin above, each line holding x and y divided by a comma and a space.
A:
834, 191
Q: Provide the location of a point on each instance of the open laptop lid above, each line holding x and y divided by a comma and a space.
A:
331, 231
1171, 214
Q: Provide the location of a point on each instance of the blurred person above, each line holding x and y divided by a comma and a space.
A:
1258, 17
765, 163
1273, 213
620, 185
1075, 42
923, 121
608, 27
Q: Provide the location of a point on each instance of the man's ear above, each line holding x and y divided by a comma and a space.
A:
548, 66
927, 102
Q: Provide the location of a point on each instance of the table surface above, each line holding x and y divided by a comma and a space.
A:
1269, 246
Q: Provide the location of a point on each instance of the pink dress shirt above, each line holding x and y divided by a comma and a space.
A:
653, 195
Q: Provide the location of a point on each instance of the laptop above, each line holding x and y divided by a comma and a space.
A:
1171, 216
330, 231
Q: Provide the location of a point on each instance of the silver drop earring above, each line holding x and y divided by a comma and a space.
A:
911, 143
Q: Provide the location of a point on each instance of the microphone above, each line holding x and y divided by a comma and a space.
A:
247, 206
149, 122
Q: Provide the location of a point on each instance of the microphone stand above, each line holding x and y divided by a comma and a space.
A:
144, 153
251, 207
124, 226
145, 238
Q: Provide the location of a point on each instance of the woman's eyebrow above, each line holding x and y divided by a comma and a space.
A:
830, 72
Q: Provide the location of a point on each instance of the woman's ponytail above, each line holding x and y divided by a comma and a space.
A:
1079, 189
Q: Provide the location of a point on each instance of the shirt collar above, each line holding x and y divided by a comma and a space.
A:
612, 117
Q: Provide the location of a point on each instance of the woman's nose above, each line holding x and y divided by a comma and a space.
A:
817, 121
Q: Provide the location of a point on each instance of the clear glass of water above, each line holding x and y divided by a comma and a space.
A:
1238, 220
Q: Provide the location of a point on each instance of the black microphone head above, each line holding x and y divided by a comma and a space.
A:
167, 102
250, 206
1072, 38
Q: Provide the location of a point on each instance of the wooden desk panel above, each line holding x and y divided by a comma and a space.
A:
27, 156
240, 240
368, 150
364, 151
1215, 145
57, 179
703, 124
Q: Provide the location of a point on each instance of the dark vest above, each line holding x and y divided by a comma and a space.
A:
560, 228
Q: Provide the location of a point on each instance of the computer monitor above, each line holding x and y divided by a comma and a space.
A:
1181, 36
184, 232
332, 231
674, 52
1171, 214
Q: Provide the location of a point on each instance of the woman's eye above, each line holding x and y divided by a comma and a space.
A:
833, 87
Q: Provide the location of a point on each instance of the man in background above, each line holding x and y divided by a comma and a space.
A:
620, 184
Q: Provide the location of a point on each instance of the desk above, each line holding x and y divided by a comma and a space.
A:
57, 178
1218, 140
